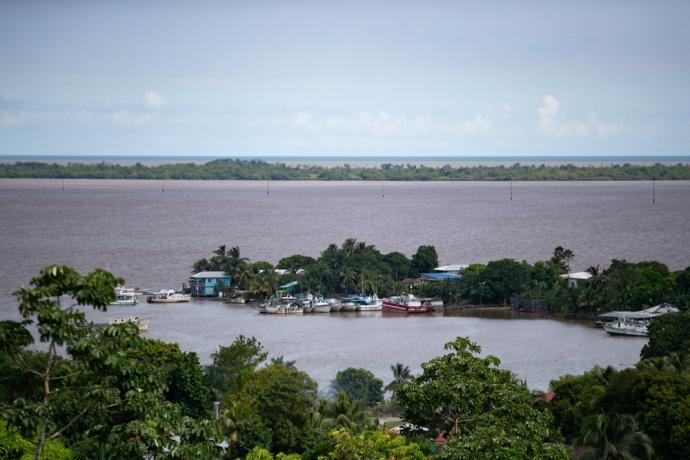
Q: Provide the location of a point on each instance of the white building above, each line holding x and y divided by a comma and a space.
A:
576, 278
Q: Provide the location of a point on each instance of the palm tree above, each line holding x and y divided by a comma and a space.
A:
401, 374
348, 278
614, 437
594, 270
242, 273
220, 251
349, 246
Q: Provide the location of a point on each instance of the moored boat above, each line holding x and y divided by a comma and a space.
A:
167, 296
636, 328
142, 323
125, 297
406, 304
284, 309
369, 303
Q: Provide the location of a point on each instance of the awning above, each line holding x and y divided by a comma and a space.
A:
288, 287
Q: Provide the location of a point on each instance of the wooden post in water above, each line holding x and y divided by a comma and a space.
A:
163, 186
383, 189
63, 185
267, 189
511, 189
653, 191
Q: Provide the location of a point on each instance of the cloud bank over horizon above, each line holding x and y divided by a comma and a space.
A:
381, 78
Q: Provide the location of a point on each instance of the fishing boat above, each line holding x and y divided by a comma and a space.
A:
141, 322
624, 326
125, 297
167, 296
320, 305
369, 303
406, 303
633, 323
284, 309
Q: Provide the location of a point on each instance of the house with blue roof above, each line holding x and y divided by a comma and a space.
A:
209, 284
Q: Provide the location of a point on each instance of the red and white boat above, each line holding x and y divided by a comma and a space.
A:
406, 304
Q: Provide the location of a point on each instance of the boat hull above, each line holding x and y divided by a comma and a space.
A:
631, 332
402, 308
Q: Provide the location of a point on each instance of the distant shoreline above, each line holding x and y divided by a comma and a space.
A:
371, 170
363, 161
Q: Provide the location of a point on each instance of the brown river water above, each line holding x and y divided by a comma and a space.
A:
151, 238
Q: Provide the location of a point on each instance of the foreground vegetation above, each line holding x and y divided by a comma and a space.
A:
114, 394
359, 267
261, 170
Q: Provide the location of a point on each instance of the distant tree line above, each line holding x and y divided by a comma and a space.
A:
236, 169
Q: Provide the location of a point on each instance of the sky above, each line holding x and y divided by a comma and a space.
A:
344, 78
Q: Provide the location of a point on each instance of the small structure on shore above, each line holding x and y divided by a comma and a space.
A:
576, 278
208, 284
452, 268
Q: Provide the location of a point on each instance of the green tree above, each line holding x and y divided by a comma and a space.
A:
296, 262
56, 327
561, 258
233, 366
614, 437
14, 447
372, 444
668, 334
108, 394
484, 412
424, 260
281, 402
359, 384
400, 265
401, 375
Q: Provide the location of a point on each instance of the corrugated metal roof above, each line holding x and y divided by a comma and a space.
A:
451, 268
210, 275
577, 276
440, 276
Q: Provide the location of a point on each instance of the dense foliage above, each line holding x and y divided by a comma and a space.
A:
261, 170
356, 266
114, 394
360, 385
483, 411
636, 413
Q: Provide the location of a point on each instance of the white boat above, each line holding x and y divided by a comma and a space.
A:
369, 303
289, 309
125, 296
623, 326
167, 296
320, 305
141, 322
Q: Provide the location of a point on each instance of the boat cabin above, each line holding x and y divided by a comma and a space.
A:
209, 284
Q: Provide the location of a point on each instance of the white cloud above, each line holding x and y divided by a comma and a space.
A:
550, 124
127, 118
478, 125
153, 100
302, 120
335, 122
546, 114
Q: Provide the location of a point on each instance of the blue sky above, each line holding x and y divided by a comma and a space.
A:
344, 78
